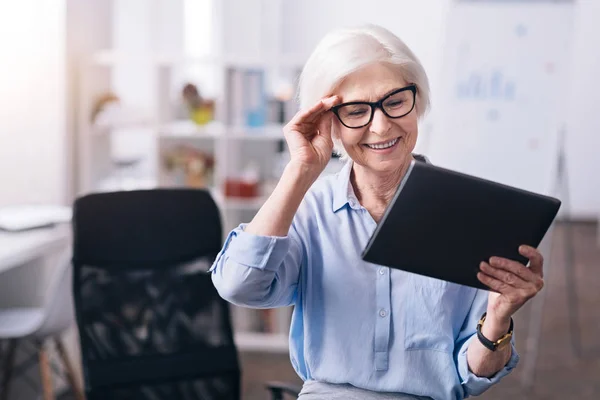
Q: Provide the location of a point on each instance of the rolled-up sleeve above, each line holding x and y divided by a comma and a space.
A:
472, 384
258, 271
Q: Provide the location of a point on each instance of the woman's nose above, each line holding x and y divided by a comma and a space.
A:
380, 124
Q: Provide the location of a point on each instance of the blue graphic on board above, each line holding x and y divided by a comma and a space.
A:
486, 86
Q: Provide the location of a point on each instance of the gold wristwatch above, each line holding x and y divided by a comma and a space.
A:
498, 344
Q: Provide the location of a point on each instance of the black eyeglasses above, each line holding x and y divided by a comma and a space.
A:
358, 114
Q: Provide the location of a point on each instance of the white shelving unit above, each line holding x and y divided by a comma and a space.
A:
271, 61
226, 142
216, 130
233, 147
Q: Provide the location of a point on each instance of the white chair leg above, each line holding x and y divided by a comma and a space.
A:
45, 373
69, 370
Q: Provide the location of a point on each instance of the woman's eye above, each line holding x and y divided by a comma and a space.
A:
356, 113
394, 104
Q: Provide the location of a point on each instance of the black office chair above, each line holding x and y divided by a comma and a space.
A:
151, 324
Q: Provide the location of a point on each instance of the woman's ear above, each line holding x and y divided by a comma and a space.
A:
335, 129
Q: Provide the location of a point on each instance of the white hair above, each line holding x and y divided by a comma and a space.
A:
344, 51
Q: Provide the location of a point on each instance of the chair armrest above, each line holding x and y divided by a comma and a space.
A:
278, 389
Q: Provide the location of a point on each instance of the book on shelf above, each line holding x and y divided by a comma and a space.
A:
255, 99
247, 100
251, 102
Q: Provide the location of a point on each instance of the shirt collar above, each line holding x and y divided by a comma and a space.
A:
343, 193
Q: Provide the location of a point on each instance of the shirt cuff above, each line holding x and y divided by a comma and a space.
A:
255, 251
475, 385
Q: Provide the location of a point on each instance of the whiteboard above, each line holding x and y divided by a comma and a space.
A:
504, 91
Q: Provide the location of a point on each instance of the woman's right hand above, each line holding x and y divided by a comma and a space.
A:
308, 136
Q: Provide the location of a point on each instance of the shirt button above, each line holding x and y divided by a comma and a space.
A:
352, 203
381, 271
382, 313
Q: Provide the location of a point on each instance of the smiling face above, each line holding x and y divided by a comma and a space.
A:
385, 145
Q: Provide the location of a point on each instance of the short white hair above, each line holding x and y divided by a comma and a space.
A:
344, 51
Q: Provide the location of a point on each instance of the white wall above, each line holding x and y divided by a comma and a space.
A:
422, 23
33, 124
32, 106
583, 130
88, 29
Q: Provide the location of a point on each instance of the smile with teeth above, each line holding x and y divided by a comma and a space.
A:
381, 146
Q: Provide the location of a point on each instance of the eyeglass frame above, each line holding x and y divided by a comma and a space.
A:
377, 104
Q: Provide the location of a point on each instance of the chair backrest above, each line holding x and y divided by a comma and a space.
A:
151, 323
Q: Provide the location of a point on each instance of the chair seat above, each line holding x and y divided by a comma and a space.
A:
20, 322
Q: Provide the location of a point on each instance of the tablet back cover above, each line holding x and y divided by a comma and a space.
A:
443, 223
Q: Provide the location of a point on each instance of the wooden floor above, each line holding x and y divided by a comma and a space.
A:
568, 362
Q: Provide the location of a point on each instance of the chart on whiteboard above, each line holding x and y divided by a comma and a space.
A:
504, 92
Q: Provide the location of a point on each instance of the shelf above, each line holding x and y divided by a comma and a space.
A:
188, 129
114, 116
262, 342
115, 183
237, 204
112, 58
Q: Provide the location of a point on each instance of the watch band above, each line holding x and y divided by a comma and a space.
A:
493, 346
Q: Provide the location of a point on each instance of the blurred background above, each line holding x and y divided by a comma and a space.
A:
105, 95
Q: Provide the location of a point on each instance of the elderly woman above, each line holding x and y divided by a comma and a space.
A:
363, 331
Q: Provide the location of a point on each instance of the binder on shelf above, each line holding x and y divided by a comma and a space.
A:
247, 100
255, 98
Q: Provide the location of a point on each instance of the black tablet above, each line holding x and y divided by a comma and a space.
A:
442, 224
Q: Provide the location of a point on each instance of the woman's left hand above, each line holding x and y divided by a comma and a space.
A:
512, 283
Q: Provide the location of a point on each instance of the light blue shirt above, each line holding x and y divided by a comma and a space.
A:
355, 322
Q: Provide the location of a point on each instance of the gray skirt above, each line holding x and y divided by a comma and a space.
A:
314, 390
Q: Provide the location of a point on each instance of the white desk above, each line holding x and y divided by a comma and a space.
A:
30, 256
19, 248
